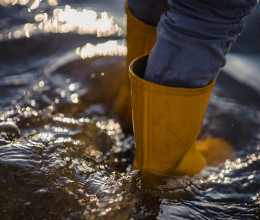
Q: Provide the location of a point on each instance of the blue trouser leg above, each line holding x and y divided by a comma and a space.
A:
193, 38
148, 11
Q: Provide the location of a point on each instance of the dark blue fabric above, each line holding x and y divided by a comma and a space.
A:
192, 40
148, 11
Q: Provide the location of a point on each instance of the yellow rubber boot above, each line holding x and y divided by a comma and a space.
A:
140, 40
216, 150
167, 122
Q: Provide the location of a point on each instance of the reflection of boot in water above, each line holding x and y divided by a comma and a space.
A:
167, 122
140, 40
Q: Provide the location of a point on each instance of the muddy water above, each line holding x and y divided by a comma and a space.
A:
63, 154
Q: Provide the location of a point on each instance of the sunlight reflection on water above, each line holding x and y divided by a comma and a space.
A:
67, 20
35, 4
109, 48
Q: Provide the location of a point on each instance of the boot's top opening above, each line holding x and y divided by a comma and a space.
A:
136, 73
138, 66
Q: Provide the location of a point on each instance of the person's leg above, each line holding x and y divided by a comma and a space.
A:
170, 97
193, 38
142, 17
148, 11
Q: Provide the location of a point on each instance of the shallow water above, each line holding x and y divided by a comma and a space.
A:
63, 153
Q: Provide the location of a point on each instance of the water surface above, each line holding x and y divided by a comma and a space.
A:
63, 153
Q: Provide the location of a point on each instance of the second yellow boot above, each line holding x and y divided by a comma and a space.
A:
140, 39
